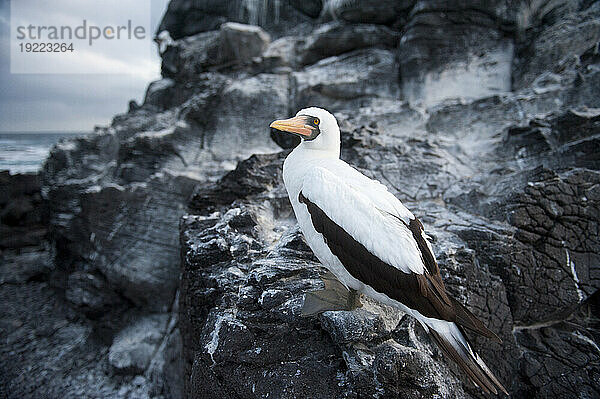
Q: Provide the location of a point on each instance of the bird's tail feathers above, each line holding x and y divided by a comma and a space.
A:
453, 342
466, 319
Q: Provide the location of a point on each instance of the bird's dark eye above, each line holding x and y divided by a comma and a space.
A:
316, 121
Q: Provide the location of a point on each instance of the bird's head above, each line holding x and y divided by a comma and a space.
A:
317, 128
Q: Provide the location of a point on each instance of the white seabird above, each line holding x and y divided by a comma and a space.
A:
371, 242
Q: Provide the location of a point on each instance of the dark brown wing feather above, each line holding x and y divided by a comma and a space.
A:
473, 367
468, 320
416, 291
463, 316
416, 228
424, 293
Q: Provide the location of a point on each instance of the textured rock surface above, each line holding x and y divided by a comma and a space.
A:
133, 347
482, 220
22, 221
554, 35
50, 351
481, 116
245, 272
240, 43
336, 38
188, 17
233, 44
368, 11
471, 57
507, 187
357, 78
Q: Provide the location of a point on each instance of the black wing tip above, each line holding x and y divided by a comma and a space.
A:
468, 320
477, 372
495, 337
504, 391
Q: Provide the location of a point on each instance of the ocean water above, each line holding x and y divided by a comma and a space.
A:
26, 152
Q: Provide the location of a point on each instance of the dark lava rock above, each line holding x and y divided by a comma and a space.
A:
233, 44
22, 214
107, 232
554, 35
61, 355
243, 280
90, 292
134, 346
16, 211
463, 171
336, 38
188, 17
570, 355
455, 49
115, 198
349, 80
250, 177
176, 267
18, 267
559, 215
17, 185
191, 55
240, 43
368, 11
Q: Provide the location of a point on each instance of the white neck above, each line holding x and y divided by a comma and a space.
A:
299, 162
309, 150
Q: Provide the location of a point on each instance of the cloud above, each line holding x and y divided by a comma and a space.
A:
56, 102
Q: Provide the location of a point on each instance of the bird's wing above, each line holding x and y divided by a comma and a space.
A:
386, 202
377, 193
376, 246
370, 235
380, 242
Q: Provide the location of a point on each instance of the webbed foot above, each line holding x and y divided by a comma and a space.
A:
335, 296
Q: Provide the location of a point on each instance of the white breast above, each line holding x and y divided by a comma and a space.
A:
299, 164
293, 172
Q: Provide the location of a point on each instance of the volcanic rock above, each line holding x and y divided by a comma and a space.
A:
175, 267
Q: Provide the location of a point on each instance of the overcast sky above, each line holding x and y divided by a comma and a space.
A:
52, 102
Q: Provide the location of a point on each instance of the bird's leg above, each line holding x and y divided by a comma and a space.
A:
335, 296
353, 301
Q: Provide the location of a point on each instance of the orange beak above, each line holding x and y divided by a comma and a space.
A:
297, 125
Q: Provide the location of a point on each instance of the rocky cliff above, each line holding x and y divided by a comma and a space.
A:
178, 268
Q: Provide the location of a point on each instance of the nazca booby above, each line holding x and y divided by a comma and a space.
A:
371, 242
